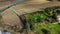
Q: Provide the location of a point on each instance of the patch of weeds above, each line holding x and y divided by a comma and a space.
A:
45, 31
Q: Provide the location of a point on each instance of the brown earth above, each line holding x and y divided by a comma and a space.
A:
10, 18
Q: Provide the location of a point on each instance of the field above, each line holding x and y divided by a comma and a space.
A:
33, 18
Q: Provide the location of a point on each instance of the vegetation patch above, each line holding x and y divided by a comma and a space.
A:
41, 21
